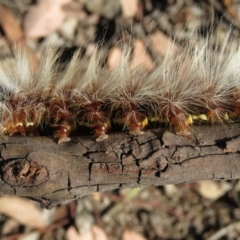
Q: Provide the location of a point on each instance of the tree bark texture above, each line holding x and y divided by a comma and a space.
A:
39, 168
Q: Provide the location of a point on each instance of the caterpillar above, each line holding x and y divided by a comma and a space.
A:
193, 83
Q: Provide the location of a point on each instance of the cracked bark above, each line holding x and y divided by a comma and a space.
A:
40, 169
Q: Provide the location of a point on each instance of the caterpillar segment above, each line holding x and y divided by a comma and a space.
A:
175, 91
130, 117
23, 115
61, 103
61, 119
132, 95
94, 115
215, 78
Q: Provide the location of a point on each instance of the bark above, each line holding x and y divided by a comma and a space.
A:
40, 169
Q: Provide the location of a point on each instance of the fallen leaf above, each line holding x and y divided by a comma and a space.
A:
68, 28
30, 236
9, 226
93, 234
172, 190
131, 235
230, 8
161, 43
72, 234
105, 8
10, 26
22, 210
60, 212
129, 8
141, 57
213, 190
15, 35
114, 57
44, 18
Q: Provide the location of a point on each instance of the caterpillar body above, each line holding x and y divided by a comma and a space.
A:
197, 83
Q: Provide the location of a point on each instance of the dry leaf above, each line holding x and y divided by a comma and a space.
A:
140, 57
10, 26
72, 234
114, 57
68, 28
15, 35
131, 235
61, 212
129, 8
9, 226
172, 190
213, 190
22, 210
44, 18
98, 196
230, 8
161, 43
93, 234
30, 236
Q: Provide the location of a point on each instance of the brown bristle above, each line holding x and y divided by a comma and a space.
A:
130, 116
93, 113
13, 128
63, 130
217, 110
96, 116
59, 110
100, 131
31, 129
61, 119
180, 124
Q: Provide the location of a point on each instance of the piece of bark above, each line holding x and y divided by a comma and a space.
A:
40, 169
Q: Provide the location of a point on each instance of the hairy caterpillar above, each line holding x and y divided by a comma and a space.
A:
195, 83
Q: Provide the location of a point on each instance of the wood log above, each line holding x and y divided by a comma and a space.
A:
51, 173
